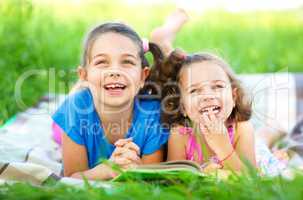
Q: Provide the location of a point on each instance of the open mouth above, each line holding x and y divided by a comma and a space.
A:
208, 109
115, 88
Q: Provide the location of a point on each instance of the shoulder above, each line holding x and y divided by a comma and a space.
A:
244, 126
80, 101
177, 144
76, 105
244, 130
82, 97
177, 135
149, 104
148, 109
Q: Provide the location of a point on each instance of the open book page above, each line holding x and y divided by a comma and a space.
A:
162, 171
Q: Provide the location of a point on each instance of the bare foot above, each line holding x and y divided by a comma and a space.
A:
165, 34
270, 135
281, 155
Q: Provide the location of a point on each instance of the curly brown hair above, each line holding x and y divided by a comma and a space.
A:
167, 77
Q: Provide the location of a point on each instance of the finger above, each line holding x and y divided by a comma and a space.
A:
212, 116
122, 161
129, 166
126, 153
119, 150
204, 118
131, 155
133, 146
206, 121
122, 142
203, 128
215, 124
211, 167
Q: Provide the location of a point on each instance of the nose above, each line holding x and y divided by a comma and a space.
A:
114, 74
207, 94
207, 97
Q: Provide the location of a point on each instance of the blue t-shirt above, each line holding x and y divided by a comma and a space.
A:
79, 119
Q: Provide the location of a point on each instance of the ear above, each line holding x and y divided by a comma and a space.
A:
182, 109
144, 74
235, 94
82, 73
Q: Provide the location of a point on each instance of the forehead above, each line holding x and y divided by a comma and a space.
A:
113, 44
202, 72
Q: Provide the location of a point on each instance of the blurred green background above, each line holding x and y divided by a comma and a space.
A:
47, 36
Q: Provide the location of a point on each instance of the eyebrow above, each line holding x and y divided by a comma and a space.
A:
193, 85
99, 54
196, 84
124, 55
129, 55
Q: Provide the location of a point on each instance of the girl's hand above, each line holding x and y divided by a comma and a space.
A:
211, 167
126, 154
127, 143
215, 133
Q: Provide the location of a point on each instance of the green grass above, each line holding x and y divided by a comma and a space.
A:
236, 187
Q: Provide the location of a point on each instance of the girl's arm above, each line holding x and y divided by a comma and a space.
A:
244, 148
75, 162
176, 146
155, 157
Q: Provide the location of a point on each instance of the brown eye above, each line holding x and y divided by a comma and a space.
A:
100, 63
193, 91
129, 62
218, 86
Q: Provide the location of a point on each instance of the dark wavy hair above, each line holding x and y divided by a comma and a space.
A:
167, 76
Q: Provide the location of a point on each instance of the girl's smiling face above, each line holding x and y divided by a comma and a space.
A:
206, 87
114, 71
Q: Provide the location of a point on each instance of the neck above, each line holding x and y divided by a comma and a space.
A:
117, 115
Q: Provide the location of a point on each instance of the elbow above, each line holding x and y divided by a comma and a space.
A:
71, 174
77, 175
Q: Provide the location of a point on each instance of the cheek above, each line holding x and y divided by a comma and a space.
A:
94, 76
133, 76
191, 105
228, 103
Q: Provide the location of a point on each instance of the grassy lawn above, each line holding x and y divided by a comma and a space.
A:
236, 187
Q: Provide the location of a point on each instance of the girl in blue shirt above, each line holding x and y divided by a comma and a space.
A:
109, 118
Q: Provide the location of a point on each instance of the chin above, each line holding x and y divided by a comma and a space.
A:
117, 102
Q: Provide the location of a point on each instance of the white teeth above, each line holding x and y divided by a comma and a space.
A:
214, 109
114, 86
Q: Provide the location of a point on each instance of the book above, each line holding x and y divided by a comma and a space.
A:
170, 171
